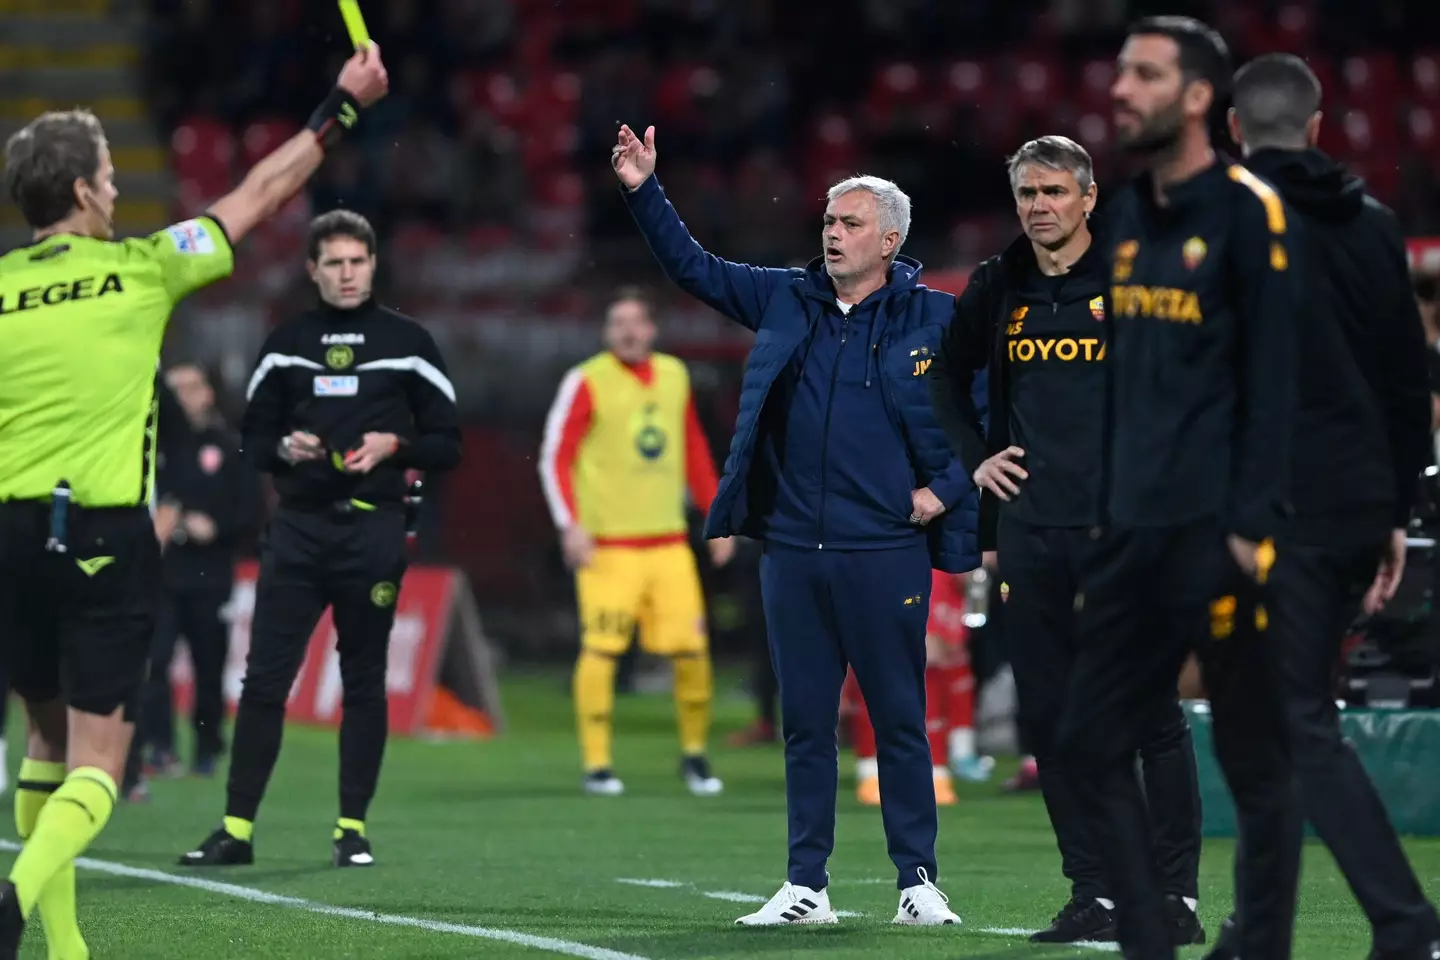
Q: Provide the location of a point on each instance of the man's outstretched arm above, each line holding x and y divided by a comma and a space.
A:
737, 290
274, 180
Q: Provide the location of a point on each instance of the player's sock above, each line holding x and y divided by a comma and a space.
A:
594, 706
345, 823
38, 780
936, 701
694, 693
960, 710
240, 828
73, 817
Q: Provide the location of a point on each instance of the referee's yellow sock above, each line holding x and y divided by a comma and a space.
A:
694, 694
344, 824
239, 828
73, 817
594, 708
38, 780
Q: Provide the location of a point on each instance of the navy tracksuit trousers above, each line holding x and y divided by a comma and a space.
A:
867, 608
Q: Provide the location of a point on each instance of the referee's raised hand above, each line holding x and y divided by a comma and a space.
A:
364, 76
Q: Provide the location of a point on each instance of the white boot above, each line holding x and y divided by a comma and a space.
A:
793, 904
924, 905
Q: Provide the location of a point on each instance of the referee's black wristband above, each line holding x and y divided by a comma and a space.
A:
337, 114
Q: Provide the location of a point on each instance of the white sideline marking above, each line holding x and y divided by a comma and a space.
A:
662, 884
1021, 932
549, 944
730, 896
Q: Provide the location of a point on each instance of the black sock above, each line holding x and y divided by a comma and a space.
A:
363, 729
258, 729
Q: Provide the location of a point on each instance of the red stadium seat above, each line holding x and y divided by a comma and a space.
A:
1365, 131
1295, 27
1036, 81
1425, 77
1092, 131
1370, 79
1422, 131
202, 151
969, 82
1093, 91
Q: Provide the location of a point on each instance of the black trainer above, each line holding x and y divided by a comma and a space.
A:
1183, 921
1424, 951
352, 850
12, 922
1227, 941
220, 849
1080, 919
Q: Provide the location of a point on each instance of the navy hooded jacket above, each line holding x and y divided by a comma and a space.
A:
835, 427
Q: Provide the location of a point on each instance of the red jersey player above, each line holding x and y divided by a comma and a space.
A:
949, 701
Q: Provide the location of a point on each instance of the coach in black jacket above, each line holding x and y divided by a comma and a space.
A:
1035, 316
1361, 440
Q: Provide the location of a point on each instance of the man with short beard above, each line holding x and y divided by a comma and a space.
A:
1204, 297
1035, 315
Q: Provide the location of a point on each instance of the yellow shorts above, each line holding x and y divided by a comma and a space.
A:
657, 588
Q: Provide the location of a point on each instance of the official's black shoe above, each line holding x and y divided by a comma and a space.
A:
1183, 922
1423, 951
1227, 941
12, 922
1080, 919
352, 850
220, 849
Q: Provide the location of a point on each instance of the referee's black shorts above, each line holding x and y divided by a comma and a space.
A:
78, 624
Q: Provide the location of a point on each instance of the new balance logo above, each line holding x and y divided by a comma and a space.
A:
799, 910
348, 116
94, 565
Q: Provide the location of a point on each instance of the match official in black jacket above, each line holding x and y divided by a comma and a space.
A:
1035, 315
216, 496
344, 399
1361, 439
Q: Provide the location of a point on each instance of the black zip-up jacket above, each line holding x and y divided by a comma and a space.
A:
1205, 308
1043, 339
340, 374
1363, 431
205, 473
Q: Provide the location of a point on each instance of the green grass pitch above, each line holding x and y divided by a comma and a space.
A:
490, 850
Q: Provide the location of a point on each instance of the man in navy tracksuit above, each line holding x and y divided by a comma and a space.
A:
839, 466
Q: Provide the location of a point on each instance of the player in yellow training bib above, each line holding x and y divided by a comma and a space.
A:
82, 317
620, 442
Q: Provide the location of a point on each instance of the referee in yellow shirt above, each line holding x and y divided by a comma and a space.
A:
621, 441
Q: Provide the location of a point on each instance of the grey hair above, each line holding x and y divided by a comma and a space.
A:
892, 205
1053, 153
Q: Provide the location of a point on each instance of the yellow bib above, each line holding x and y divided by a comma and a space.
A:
630, 473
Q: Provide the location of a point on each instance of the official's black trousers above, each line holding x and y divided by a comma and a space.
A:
1317, 593
1149, 597
352, 562
1040, 568
192, 613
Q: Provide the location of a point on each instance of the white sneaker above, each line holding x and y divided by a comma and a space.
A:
793, 904
603, 783
698, 778
923, 905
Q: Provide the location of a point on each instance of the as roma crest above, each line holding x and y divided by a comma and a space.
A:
1097, 309
1194, 252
